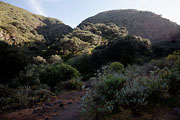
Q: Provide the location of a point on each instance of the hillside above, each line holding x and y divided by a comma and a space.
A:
89, 37
105, 69
18, 26
142, 23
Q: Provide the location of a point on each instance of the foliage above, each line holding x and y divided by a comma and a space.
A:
141, 23
144, 87
163, 49
102, 100
73, 84
56, 73
18, 26
127, 50
106, 30
11, 99
116, 66
83, 64
28, 77
55, 59
12, 61
39, 60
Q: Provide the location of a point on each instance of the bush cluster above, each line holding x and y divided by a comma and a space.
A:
37, 83
57, 73
137, 88
26, 96
12, 61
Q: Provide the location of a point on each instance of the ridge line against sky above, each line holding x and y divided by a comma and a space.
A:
73, 12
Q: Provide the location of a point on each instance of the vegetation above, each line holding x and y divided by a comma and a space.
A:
19, 26
141, 23
12, 61
41, 57
57, 73
137, 88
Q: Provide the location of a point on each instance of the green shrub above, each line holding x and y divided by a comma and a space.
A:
56, 73
110, 85
12, 61
177, 63
28, 77
14, 100
83, 64
165, 48
73, 84
11, 99
127, 50
132, 89
174, 72
133, 96
102, 100
174, 81
39, 60
55, 59
116, 66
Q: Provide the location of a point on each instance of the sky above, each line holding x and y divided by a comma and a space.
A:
73, 12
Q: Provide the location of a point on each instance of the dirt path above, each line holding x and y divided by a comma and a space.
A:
65, 107
72, 112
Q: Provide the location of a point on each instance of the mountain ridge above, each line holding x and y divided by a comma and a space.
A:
18, 25
142, 23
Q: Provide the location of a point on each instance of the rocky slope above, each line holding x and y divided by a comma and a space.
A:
18, 26
142, 23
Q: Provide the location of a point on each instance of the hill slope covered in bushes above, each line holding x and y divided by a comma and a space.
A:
142, 23
18, 26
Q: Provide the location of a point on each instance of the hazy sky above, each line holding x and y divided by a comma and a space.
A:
72, 12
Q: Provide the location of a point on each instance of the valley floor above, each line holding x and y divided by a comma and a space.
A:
66, 106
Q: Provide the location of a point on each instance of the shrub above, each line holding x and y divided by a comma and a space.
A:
131, 89
12, 61
103, 100
83, 64
165, 48
73, 84
29, 76
133, 96
174, 72
39, 60
177, 63
14, 100
55, 59
116, 66
22, 97
127, 50
174, 81
110, 85
56, 73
